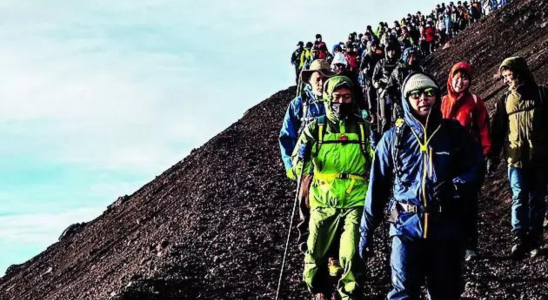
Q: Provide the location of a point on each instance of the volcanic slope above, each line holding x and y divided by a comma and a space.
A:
213, 226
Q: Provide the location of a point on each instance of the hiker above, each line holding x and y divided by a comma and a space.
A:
305, 57
340, 66
339, 63
301, 111
421, 164
372, 55
336, 148
352, 57
296, 60
469, 110
321, 47
381, 75
520, 125
410, 63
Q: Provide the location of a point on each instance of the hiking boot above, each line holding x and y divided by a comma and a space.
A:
319, 296
534, 252
535, 245
470, 255
334, 267
520, 247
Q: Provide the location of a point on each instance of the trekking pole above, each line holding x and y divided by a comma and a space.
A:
387, 251
290, 226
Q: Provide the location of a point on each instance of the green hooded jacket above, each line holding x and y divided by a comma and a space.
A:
520, 122
341, 162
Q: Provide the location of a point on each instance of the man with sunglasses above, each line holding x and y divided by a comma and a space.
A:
420, 165
520, 127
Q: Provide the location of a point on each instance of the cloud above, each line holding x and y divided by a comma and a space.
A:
42, 227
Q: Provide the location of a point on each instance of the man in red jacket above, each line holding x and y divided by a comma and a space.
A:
469, 109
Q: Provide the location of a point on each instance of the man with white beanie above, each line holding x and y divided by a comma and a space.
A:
422, 166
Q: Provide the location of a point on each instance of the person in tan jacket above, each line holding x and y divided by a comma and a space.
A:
520, 128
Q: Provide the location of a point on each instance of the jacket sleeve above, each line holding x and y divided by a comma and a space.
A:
379, 188
307, 138
377, 74
499, 128
483, 126
288, 134
470, 162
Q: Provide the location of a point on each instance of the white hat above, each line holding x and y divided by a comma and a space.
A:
339, 59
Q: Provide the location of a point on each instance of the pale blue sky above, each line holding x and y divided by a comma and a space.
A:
99, 97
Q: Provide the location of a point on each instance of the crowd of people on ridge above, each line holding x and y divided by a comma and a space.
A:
370, 137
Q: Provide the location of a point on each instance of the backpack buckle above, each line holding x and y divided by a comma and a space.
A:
344, 176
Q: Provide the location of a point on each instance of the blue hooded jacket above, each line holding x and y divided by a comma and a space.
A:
293, 121
441, 151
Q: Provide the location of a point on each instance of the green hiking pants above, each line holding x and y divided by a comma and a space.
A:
330, 226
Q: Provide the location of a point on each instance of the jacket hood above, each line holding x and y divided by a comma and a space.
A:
435, 115
406, 54
329, 87
519, 65
458, 66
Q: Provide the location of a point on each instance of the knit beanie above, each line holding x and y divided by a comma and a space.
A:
418, 81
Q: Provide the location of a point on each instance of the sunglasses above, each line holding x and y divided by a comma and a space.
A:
416, 94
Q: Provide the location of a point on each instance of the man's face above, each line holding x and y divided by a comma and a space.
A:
318, 39
316, 81
342, 95
391, 53
339, 68
300, 47
421, 101
509, 79
411, 59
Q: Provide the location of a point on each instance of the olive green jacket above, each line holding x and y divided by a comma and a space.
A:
520, 126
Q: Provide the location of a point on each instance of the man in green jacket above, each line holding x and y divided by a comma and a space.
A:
520, 127
336, 148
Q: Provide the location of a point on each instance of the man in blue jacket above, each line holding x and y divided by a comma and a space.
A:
426, 162
301, 111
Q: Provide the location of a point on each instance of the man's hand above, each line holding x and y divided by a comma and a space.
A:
445, 191
491, 166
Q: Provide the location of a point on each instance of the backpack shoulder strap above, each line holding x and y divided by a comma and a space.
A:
397, 140
321, 131
362, 137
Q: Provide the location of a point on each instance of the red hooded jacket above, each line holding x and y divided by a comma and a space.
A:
467, 108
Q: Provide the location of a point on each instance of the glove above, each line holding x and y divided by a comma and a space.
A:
302, 151
365, 115
445, 191
366, 250
290, 174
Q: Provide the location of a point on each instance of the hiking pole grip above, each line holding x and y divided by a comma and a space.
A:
299, 183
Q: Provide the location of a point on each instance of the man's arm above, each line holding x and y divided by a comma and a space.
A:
378, 192
288, 134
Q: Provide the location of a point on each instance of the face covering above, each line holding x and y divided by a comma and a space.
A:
341, 110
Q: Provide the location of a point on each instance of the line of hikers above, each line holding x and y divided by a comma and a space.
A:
421, 168
426, 32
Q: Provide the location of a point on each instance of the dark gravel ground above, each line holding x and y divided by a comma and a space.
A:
213, 226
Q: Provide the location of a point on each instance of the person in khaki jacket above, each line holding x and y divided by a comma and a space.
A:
520, 128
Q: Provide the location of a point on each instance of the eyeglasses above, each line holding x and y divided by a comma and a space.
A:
416, 94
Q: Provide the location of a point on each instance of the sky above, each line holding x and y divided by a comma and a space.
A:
99, 97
